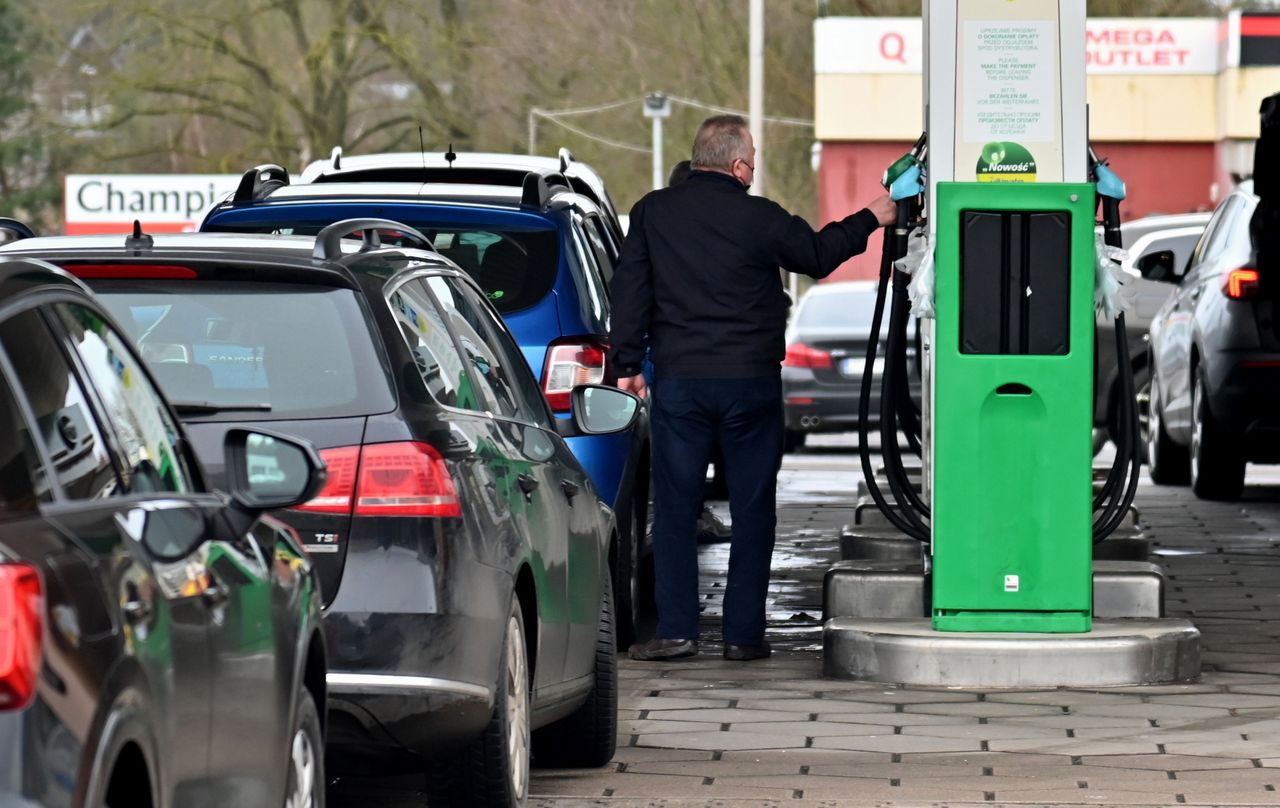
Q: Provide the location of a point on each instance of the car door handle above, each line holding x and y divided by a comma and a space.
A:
570, 490
215, 595
528, 484
136, 610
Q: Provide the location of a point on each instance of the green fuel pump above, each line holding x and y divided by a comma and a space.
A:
1008, 512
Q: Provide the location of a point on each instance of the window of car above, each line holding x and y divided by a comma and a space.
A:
276, 350
23, 483
532, 403
605, 258
1180, 245
843, 310
515, 265
146, 433
1237, 242
591, 278
439, 363
65, 422
1212, 242
489, 368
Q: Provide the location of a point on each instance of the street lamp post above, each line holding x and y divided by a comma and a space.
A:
657, 107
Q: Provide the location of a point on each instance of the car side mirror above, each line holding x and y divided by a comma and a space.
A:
267, 470
169, 534
600, 410
1158, 266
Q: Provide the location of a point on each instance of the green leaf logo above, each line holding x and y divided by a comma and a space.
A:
1006, 161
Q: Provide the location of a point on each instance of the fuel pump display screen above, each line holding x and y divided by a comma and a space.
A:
1015, 272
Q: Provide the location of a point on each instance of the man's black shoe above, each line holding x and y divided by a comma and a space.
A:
658, 649
746, 653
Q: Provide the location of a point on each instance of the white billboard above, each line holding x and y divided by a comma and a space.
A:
1129, 45
109, 203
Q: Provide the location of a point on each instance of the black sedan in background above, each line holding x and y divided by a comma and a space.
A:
1215, 352
826, 355
462, 550
159, 645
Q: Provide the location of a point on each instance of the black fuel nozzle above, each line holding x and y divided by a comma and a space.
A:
1111, 192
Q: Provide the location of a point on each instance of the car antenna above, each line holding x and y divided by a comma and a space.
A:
138, 240
422, 147
449, 156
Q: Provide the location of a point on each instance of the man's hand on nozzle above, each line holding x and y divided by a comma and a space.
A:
634, 385
886, 212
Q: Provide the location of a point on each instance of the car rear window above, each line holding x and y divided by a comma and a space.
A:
839, 310
281, 351
515, 266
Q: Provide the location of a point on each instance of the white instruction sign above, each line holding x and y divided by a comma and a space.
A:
1009, 90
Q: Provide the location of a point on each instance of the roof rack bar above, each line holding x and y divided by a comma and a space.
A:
537, 187
329, 240
534, 191
20, 230
259, 181
566, 157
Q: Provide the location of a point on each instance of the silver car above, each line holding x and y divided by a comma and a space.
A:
1159, 247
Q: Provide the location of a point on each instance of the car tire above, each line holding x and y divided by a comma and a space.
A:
305, 784
793, 441
1167, 462
588, 737
493, 770
626, 577
1217, 465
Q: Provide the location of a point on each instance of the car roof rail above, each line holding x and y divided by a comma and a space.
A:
329, 240
258, 182
538, 188
566, 157
20, 230
335, 158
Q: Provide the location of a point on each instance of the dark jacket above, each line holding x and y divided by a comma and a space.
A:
699, 275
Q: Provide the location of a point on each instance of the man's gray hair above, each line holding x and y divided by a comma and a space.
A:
721, 139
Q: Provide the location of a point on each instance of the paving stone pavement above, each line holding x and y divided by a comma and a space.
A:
788, 737
707, 732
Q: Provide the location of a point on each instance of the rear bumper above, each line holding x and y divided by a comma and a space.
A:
387, 721
413, 677
1243, 403
809, 406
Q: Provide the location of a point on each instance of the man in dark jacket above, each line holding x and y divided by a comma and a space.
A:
699, 275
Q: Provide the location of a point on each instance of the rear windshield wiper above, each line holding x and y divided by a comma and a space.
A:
201, 407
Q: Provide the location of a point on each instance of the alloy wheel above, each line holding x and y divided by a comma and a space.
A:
517, 682
1153, 429
302, 771
1197, 427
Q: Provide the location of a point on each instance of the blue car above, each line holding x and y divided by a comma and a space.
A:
544, 254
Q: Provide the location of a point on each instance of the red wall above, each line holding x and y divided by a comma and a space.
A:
1159, 178
848, 179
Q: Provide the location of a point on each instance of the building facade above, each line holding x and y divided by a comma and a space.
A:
1173, 103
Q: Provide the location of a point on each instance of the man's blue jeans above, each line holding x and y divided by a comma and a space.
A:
689, 416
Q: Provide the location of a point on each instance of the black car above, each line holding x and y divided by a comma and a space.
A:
462, 550
159, 644
1215, 354
543, 254
826, 356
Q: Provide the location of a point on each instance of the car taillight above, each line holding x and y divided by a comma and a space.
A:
131, 271
340, 485
386, 479
20, 634
800, 355
570, 364
1241, 283
405, 479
